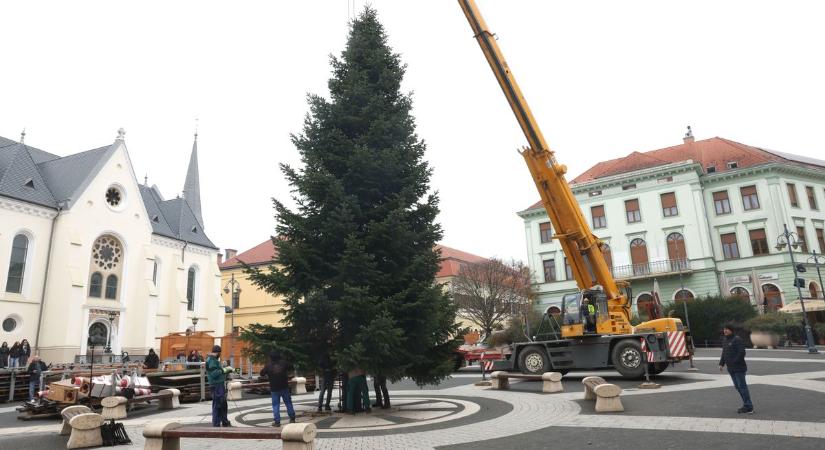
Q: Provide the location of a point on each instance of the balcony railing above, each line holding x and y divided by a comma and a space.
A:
651, 269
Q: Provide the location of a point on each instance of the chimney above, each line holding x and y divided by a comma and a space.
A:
230, 253
688, 136
220, 258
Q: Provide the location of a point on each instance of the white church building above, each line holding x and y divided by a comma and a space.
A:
85, 249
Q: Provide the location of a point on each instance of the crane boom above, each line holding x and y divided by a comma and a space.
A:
582, 248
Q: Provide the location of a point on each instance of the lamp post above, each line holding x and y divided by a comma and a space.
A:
194, 324
793, 241
672, 237
112, 316
232, 286
816, 258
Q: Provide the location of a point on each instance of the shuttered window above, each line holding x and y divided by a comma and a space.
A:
632, 209
803, 242
721, 202
750, 200
549, 270
545, 232
759, 242
568, 271
820, 236
730, 248
597, 213
792, 195
608, 255
811, 197
669, 204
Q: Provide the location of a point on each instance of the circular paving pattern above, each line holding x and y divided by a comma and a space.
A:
405, 413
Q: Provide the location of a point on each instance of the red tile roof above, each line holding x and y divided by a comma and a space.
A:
264, 253
451, 260
715, 152
260, 254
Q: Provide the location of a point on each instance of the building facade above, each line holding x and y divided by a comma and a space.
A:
700, 218
88, 251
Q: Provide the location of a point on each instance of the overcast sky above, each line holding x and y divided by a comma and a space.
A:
604, 78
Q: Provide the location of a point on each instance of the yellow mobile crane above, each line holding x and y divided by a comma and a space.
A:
614, 343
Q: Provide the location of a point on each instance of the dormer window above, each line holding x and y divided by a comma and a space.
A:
732, 165
156, 219
710, 169
195, 230
29, 183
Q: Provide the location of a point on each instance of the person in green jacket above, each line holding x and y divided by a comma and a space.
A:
217, 384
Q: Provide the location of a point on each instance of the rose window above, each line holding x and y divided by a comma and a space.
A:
106, 253
113, 196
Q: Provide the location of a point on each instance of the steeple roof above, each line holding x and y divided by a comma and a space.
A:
192, 186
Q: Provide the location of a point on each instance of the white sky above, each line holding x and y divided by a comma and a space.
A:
604, 78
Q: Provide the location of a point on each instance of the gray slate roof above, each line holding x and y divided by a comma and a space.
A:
34, 176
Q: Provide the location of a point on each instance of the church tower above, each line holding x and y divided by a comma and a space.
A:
192, 186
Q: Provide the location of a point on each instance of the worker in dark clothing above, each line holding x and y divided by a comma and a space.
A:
733, 357
36, 367
327, 382
588, 312
277, 371
382, 395
152, 361
217, 383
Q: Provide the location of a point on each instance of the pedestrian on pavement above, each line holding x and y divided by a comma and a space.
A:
36, 367
4, 355
327, 381
277, 371
733, 357
358, 394
217, 384
14, 355
382, 395
25, 352
152, 361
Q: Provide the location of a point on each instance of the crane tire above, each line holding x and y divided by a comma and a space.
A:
656, 368
533, 361
628, 359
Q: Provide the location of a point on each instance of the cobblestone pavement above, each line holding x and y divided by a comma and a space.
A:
787, 388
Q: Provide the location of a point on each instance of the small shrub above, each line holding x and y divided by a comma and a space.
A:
709, 314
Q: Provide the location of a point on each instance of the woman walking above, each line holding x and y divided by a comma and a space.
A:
14, 355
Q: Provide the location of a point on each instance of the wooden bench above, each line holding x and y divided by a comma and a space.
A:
85, 431
605, 394
551, 380
67, 413
166, 435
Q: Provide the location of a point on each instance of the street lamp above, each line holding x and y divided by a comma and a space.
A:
234, 287
816, 260
194, 324
112, 316
792, 241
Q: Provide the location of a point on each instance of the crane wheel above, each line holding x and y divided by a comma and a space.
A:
533, 361
628, 359
656, 368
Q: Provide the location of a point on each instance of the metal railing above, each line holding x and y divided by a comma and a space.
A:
650, 269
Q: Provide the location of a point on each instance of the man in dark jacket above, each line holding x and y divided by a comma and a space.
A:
277, 371
327, 381
733, 357
217, 384
152, 361
36, 367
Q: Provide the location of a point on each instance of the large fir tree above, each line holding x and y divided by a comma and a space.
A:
356, 261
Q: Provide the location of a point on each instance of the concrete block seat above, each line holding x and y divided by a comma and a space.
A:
85, 431
114, 408
166, 434
607, 395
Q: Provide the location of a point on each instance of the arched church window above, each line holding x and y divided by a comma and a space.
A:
96, 285
17, 264
111, 287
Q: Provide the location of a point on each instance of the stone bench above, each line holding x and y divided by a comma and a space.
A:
234, 390
67, 413
85, 431
299, 386
166, 435
551, 380
167, 398
114, 408
605, 394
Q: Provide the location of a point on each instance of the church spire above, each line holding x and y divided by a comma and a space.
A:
192, 186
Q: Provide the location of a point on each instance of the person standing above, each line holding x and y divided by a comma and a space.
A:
357, 386
733, 357
217, 385
36, 367
327, 382
382, 395
25, 352
14, 355
4, 355
277, 372
588, 313
152, 361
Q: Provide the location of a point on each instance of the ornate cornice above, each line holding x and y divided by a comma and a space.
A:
27, 208
762, 169
178, 245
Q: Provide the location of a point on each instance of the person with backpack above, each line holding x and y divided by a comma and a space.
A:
217, 384
277, 372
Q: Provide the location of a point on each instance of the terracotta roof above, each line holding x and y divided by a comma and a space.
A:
262, 253
716, 151
451, 260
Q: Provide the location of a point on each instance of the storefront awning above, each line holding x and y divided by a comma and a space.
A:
810, 305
